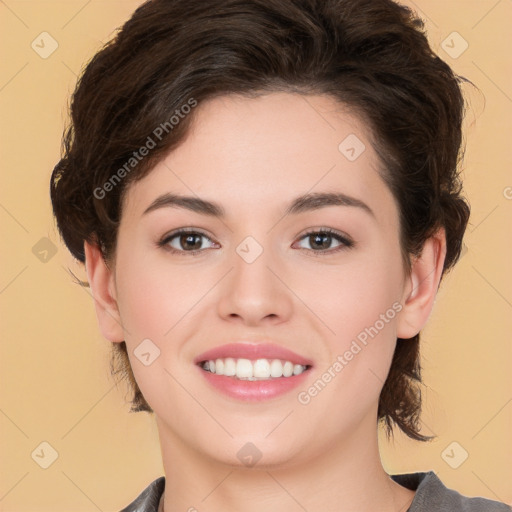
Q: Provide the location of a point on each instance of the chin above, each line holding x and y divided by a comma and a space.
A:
258, 453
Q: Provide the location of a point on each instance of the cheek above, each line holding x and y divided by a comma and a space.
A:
361, 307
354, 297
151, 299
151, 304
143, 301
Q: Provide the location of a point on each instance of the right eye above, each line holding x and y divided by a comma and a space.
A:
184, 241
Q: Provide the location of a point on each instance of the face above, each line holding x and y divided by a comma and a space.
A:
320, 276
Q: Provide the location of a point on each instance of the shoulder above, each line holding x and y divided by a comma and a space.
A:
149, 498
433, 496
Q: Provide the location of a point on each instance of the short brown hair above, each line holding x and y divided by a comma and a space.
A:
371, 55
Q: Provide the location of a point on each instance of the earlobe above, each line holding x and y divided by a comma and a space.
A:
101, 281
422, 285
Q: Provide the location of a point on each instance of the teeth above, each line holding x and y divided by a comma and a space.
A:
244, 369
260, 369
276, 368
297, 369
288, 369
229, 367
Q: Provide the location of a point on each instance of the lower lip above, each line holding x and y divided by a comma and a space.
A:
253, 390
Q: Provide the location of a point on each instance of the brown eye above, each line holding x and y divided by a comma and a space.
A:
321, 241
184, 241
190, 241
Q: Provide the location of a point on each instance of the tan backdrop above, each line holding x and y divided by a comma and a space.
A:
55, 387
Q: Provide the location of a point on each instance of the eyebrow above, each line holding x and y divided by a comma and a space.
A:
304, 203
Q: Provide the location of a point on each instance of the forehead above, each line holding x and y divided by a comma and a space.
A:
261, 151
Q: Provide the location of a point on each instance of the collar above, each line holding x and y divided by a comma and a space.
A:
431, 494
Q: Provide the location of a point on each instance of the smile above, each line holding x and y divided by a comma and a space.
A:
253, 371
259, 369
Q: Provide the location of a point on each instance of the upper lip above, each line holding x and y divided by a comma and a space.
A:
252, 351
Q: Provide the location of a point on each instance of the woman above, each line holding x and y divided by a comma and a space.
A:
265, 196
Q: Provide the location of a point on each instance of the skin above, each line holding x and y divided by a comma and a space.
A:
253, 157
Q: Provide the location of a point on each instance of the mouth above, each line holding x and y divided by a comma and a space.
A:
259, 369
253, 372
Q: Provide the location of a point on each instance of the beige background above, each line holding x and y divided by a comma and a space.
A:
55, 385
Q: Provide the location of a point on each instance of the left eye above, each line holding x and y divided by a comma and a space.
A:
321, 241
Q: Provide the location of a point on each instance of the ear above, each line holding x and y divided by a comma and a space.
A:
421, 286
101, 281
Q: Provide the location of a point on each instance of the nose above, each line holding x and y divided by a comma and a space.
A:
255, 292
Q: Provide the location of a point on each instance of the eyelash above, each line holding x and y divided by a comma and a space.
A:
346, 243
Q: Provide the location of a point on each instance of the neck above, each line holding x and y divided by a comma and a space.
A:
347, 476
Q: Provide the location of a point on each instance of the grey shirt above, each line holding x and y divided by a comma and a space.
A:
431, 496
